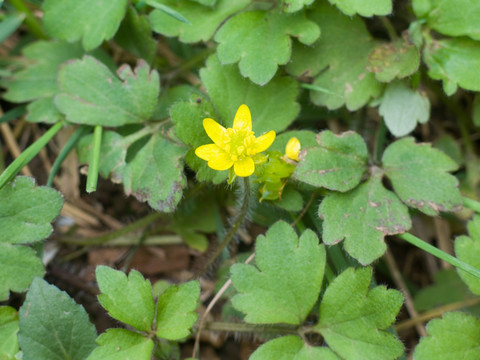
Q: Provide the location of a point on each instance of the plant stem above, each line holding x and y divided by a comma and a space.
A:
440, 254
277, 329
235, 226
392, 34
92, 177
27, 155
30, 19
65, 151
471, 204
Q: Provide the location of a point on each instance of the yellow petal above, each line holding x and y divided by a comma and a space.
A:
208, 152
244, 167
293, 149
263, 142
215, 131
243, 118
221, 162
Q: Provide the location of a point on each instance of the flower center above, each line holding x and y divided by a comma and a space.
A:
239, 143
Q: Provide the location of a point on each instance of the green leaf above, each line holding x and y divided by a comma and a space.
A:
8, 331
156, 175
353, 318
157, 4
307, 139
455, 18
121, 344
291, 6
26, 211
92, 21
206, 2
467, 249
10, 24
273, 106
204, 20
261, 40
135, 36
454, 61
127, 299
476, 110
91, 94
402, 107
419, 175
18, 266
285, 283
343, 76
51, 318
450, 146
338, 162
397, 59
37, 82
447, 289
291, 347
176, 310
363, 217
455, 336
364, 8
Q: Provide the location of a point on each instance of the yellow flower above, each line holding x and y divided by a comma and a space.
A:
293, 149
234, 146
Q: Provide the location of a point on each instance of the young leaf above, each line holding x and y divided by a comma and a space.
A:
456, 18
38, 81
467, 249
291, 6
121, 344
419, 175
127, 299
353, 318
204, 20
363, 217
18, 266
364, 8
90, 94
26, 211
343, 77
402, 107
448, 340
51, 318
156, 175
273, 106
291, 348
135, 36
260, 41
337, 163
92, 21
176, 310
286, 281
398, 59
8, 332
454, 61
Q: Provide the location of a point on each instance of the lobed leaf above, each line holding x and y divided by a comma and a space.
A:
92, 21
176, 310
342, 77
26, 211
454, 61
419, 176
353, 318
363, 217
290, 6
448, 340
51, 318
261, 40
121, 344
286, 281
402, 107
90, 94
204, 20
155, 174
364, 8
273, 106
18, 267
8, 332
291, 347
338, 162
127, 299
467, 249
